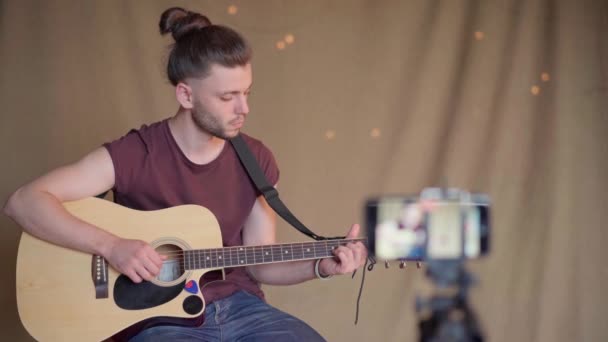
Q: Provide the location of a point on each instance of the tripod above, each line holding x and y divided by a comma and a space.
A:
448, 317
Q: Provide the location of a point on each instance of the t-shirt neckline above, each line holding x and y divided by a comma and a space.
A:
175, 146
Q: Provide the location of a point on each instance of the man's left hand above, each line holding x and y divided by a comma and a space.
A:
347, 258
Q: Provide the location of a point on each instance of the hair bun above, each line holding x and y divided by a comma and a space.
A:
179, 21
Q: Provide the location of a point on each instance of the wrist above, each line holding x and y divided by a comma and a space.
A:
318, 273
106, 245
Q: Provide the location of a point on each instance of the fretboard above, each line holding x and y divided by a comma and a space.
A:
254, 255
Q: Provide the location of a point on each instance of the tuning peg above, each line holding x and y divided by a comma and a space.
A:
402, 264
386, 264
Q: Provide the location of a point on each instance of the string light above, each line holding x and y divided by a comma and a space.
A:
289, 38
479, 35
232, 9
280, 45
330, 134
545, 77
535, 90
375, 133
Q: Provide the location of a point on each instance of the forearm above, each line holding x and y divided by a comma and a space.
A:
287, 273
42, 215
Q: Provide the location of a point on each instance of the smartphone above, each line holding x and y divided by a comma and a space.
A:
417, 229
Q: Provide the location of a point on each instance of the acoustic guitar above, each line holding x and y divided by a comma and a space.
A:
67, 295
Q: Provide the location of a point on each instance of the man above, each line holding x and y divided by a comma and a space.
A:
186, 160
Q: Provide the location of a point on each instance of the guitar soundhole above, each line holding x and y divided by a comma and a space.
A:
173, 266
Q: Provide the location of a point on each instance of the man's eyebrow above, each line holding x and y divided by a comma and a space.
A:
235, 92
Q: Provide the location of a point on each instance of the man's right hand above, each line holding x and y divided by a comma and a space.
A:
135, 258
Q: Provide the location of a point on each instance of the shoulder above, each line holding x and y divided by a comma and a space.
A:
256, 146
142, 139
264, 157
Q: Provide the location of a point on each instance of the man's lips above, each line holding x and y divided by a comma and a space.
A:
237, 123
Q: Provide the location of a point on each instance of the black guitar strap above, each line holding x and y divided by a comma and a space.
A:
272, 197
270, 192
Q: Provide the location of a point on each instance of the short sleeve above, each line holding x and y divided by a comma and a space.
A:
128, 155
268, 164
265, 159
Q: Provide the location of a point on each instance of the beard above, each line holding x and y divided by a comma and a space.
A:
207, 122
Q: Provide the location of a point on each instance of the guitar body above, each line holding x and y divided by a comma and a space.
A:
56, 287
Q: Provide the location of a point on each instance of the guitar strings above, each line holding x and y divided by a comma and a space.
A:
225, 251
219, 257
319, 250
197, 259
315, 245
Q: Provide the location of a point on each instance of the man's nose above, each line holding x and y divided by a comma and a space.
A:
242, 106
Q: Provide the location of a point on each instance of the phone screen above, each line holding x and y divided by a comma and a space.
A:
398, 228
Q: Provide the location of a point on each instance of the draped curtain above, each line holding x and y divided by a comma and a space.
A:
356, 99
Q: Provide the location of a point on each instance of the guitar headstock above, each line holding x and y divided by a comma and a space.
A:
402, 263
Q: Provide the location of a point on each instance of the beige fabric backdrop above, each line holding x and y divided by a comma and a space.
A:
444, 105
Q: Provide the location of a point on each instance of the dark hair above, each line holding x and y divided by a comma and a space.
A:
200, 44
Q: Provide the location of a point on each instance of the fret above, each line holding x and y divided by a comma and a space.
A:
285, 254
234, 258
267, 253
250, 255
226, 256
307, 250
191, 260
216, 258
329, 247
207, 259
334, 244
222, 257
279, 250
201, 258
226, 253
237, 260
298, 251
253, 249
317, 249
198, 262
241, 256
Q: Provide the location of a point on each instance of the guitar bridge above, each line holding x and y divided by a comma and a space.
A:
99, 273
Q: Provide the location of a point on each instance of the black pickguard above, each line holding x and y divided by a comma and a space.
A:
132, 296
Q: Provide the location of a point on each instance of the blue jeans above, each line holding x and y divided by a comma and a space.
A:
240, 317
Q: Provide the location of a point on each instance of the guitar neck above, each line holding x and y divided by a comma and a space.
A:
256, 255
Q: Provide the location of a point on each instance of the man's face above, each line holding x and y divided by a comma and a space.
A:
220, 100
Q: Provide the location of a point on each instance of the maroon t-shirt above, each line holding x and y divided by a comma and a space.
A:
153, 173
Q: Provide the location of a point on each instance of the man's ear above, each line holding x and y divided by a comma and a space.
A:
183, 94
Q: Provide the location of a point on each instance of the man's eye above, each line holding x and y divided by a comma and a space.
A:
226, 98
